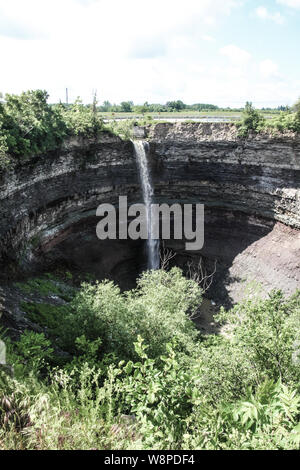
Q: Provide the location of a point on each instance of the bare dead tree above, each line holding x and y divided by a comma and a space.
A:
195, 271
166, 255
198, 273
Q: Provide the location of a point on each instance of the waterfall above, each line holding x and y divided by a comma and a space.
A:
141, 149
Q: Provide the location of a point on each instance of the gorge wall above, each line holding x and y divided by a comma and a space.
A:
251, 191
250, 188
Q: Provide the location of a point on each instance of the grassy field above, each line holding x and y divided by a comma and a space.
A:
234, 115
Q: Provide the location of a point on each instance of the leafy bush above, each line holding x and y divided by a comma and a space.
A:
286, 121
4, 158
46, 315
30, 126
81, 120
264, 420
30, 354
252, 120
45, 286
268, 331
238, 390
157, 310
122, 128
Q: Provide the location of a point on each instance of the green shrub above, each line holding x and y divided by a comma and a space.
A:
81, 120
4, 158
265, 420
158, 310
238, 390
285, 121
122, 128
268, 331
160, 397
30, 354
49, 316
46, 287
224, 370
30, 126
252, 120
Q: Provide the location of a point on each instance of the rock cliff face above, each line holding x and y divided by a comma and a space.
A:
251, 192
250, 188
48, 207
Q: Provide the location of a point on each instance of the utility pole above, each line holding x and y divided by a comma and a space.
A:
67, 96
94, 102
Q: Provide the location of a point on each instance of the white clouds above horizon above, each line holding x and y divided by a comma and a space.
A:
268, 69
264, 14
235, 54
167, 51
290, 3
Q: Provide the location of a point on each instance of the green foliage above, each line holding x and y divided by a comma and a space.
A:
123, 128
268, 330
285, 121
297, 108
160, 398
46, 315
4, 158
81, 120
174, 390
171, 106
175, 105
30, 354
46, 286
224, 371
157, 310
30, 126
252, 120
264, 420
126, 106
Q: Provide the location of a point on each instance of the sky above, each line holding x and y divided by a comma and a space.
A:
224, 52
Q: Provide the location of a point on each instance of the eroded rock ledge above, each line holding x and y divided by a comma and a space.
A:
250, 187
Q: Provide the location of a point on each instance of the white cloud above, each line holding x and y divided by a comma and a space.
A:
290, 3
208, 38
112, 46
268, 68
235, 54
124, 53
263, 13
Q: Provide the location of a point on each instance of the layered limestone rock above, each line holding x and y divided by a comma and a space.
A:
250, 189
48, 205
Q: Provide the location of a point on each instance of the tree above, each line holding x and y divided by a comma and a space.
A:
95, 102
106, 107
252, 120
142, 109
175, 105
297, 108
126, 106
30, 125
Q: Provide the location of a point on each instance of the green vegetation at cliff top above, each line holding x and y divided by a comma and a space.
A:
29, 126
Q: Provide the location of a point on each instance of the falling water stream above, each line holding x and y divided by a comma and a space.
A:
141, 151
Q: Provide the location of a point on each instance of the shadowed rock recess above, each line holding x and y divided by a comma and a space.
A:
250, 188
